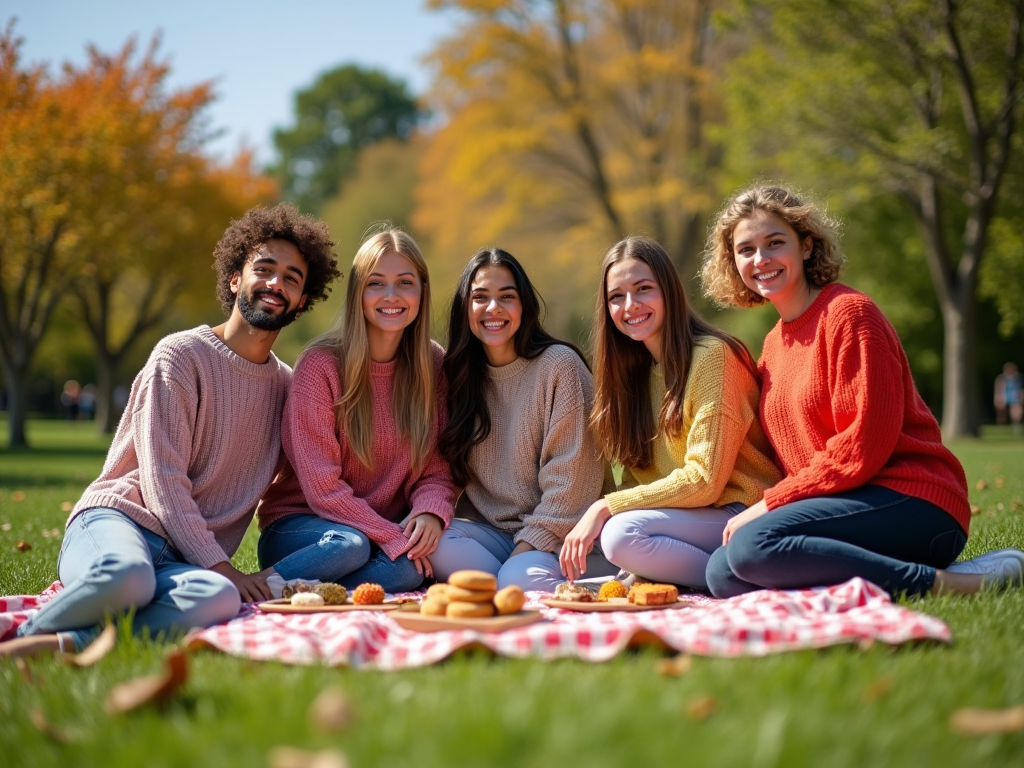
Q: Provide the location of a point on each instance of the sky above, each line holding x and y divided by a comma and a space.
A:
259, 53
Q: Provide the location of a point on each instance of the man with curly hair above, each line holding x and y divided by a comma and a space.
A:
197, 446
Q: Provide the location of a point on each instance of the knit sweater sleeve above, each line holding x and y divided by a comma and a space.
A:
314, 446
163, 422
717, 429
867, 405
434, 491
571, 473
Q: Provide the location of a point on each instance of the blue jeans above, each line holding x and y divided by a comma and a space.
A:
890, 539
475, 546
109, 564
667, 545
309, 547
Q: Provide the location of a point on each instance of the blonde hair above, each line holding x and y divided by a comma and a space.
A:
721, 280
348, 343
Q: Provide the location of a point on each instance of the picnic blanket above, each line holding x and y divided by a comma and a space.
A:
755, 624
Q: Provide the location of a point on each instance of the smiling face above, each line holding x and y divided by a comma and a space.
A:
495, 312
391, 297
770, 258
636, 303
269, 287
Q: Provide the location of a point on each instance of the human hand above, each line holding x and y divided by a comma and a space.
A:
252, 587
736, 522
424, 534
580, 541
423, 566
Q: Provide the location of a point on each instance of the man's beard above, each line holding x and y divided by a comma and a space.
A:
257, 318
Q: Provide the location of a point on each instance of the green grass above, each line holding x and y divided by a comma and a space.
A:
836, 707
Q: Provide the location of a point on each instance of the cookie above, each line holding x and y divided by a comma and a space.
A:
437, 589
469, 595
459, 610
511, 599
479, 580
434, 605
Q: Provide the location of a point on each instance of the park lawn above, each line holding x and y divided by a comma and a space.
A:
843, 706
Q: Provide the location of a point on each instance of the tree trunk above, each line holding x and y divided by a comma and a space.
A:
17, 405
960, 390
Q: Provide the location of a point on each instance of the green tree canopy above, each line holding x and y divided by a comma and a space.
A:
343, 111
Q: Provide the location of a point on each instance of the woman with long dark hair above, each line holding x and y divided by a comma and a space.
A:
676, 406
517, 438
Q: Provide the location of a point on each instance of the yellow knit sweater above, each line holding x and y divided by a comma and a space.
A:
720, 457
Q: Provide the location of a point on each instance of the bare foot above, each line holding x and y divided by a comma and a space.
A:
35, 645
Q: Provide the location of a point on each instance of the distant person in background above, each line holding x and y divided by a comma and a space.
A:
87, 402
198, 446
1009, 397
69, 399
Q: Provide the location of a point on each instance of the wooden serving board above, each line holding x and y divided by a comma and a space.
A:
612, 604
419, 622
284, 605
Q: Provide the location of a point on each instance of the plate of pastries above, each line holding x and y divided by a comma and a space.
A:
328, 598
614, 596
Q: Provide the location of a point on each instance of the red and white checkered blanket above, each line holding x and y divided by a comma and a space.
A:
750, 625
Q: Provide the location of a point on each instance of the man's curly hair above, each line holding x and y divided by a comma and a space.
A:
282, 222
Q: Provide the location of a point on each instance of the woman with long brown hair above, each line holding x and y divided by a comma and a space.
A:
676, 407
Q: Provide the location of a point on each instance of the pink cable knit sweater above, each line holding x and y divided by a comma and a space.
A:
198, 444
326, 478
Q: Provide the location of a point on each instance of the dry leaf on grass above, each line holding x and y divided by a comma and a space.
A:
66, 506
96, 650
981, 485
982, 721
49, 730
674, 667
1000, 482
290, 757
701, 707
878, 689
24, 670
18, 496
975, 509
23, 546
153, 688
331, 710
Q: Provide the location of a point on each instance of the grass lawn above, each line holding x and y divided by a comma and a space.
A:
837, 707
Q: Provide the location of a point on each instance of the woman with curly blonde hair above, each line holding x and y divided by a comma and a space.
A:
868, 488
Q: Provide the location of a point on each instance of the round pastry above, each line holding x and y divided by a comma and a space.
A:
459, 610
437, 589
510, 600
611, 588
368, 594
306, 599
480, 580
469, 595
573, 593
333, 594
434, 605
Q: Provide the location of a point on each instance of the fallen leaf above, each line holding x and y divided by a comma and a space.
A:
66, 506
23, 546
96, 650
1017, 505
982, 721
701, 707
674, 667
866, 643
5, 527
290, 757
24, 670
18, 496
153, 688
981, 485
50, 731
975, 509
878, 689
331, 710
1000, 506
999, 482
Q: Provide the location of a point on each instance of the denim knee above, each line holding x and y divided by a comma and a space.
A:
749, 549
616, 536
215, 598
124, 581
404, 577
354, 544
719, 574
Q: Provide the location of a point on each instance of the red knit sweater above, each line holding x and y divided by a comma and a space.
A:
330, 481
840, 407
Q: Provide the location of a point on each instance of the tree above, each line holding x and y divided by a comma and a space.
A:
920, 98
574, 117
343, 111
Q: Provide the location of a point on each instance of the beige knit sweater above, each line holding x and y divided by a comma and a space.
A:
197, 445
538, 470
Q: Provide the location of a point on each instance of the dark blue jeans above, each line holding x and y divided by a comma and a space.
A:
892, 540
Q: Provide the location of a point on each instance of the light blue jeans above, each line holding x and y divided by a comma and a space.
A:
667, 545
475, 546
308, 547
109, 564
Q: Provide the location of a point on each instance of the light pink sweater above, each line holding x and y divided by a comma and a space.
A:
326, 478
197, 446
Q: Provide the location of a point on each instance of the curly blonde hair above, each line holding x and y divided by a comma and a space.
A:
722, 282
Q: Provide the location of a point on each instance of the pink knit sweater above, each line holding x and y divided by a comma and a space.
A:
326, 478
197, 446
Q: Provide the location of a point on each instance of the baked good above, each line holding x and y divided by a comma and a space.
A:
573, 593
333, 594
478, 580
306, 599
368, 594
460, 610
437, 589
461, 594
434, 605
611, 588
511, 599
653, 594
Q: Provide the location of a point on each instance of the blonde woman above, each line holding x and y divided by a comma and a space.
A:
365, 495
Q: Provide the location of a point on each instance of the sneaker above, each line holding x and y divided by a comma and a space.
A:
1000, 568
